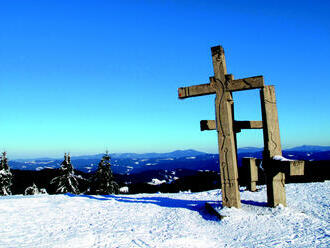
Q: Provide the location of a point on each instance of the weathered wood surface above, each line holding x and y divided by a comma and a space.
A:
196, 90
239, 125
250, 163
226, 139
272, 140
291, 167
297, 168
223, 85
230, 85
246, 83
275, 174
208, 125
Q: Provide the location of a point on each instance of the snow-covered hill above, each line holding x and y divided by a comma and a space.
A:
166, 220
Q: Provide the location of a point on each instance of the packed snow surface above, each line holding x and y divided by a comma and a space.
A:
166, 220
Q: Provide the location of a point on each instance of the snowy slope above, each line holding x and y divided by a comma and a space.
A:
166, 220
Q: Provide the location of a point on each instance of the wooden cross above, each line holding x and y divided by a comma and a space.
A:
223, 84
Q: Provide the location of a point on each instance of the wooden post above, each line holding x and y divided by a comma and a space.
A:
275, 175
226, 138
223, 85
250, 163
297, 168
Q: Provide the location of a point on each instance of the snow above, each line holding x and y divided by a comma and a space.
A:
151, 164
156, 181
166, 220
281, 158
124, 189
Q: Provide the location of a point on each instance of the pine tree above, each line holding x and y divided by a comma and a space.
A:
67, 181
32, 190
102, 182
5, 176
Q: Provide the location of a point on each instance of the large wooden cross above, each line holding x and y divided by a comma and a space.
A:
223, 84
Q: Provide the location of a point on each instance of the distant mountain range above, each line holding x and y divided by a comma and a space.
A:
133, 163
306, 148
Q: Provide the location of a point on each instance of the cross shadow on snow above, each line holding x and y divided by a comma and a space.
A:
193, 205
254, 203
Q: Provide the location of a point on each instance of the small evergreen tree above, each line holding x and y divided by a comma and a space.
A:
67, 181
32, 190
5, 176
102, 182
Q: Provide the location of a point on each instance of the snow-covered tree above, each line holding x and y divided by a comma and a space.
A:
67, 181
5, 176
32, 190
102, 182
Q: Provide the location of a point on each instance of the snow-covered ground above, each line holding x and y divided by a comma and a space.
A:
166, 220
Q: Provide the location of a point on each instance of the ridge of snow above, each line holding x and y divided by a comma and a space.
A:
281, 158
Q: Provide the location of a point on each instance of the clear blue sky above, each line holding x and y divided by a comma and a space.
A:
83, 76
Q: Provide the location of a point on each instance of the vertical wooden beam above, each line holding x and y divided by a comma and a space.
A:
230, 78
272, 138
275, 176
226, 139
250, 163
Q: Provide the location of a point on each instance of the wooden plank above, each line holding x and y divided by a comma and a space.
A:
230, 77
196, 90
208, 125
226, 138
233, 85
238, 125
250, 163
219, 63
297, 168
246, 83
291, 167
272, 140
275, 175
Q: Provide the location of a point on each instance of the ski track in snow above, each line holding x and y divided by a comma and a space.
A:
166, 220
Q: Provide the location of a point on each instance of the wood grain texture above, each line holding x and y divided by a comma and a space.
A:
250, 163
196, 90
239, 125
275, 175
272, 140
208, 125
226, 138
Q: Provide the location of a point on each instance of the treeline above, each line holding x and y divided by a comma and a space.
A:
66, 179
62, 180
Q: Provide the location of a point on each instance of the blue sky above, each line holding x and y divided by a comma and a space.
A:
83, 76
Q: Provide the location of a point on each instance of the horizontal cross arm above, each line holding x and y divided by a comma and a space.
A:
238, 125
290, 167
246, 83
248, 124
196, 90
233, 85
208, 125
